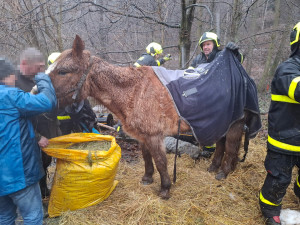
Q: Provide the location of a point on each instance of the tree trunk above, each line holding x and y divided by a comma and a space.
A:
236, 18
269, 61
187, 16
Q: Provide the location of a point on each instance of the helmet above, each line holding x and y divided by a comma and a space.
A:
52, 57
295, 39
209, 36
154, 48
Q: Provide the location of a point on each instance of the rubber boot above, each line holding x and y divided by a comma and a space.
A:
275, 220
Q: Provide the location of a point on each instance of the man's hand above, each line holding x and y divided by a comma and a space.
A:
43, 142
167, 57
34, 90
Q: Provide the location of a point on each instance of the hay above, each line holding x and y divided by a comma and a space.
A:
196, 198
92, 145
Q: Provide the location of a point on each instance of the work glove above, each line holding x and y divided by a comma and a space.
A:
167, 57
235, 50
118, 128
232, 46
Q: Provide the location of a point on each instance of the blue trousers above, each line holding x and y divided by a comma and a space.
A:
29, 203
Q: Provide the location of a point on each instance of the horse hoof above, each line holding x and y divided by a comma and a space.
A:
147, 180
220, 175
212, 168
165, 194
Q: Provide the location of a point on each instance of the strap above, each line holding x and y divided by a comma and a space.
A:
176, 152
82, 80
246, 142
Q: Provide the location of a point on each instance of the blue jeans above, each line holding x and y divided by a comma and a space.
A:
29, 203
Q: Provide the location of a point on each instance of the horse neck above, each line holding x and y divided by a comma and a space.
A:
110, 86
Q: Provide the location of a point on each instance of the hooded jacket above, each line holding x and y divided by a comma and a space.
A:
20, 156
284, 112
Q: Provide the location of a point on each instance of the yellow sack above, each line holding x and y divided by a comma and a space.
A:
82, 177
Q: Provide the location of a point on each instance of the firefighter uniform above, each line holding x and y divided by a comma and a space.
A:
149, 58
283, 134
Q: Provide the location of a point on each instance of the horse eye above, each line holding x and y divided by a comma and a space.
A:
62, 73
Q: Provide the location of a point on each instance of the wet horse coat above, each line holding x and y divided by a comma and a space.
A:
135, 95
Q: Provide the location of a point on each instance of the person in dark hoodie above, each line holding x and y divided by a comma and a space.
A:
20, 156
283, 133
46, 125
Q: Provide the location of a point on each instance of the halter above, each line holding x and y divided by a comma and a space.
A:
78, 87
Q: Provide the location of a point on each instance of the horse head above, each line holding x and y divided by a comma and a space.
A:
68, 73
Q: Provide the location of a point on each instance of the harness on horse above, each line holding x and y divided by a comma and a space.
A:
78, 87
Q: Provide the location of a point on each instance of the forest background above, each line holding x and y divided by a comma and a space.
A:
119, 30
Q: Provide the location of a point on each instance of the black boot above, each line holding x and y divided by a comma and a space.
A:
275, 220
207, 151
44, 189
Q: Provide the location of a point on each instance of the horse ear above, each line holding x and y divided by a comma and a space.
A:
78, 47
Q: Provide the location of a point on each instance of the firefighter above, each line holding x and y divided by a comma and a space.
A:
151, 58
283, 133
209, 44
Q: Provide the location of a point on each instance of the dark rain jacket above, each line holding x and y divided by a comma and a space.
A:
20, 155
284, 112
148, 60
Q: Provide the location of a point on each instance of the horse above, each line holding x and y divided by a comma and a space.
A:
142, 104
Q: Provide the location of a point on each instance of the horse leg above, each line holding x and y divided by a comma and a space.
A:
218, 156
149, 169
155, 146
232, 146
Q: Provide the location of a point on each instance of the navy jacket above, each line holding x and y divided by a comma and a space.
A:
148, 60
20, 156
284, 112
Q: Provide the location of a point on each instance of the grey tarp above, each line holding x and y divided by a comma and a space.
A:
213, 96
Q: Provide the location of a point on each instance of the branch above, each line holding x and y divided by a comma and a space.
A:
262, 33
127, 15
204, 6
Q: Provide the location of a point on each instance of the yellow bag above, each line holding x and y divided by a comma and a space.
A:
82, 177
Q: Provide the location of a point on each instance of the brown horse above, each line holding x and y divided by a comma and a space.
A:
139, 100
